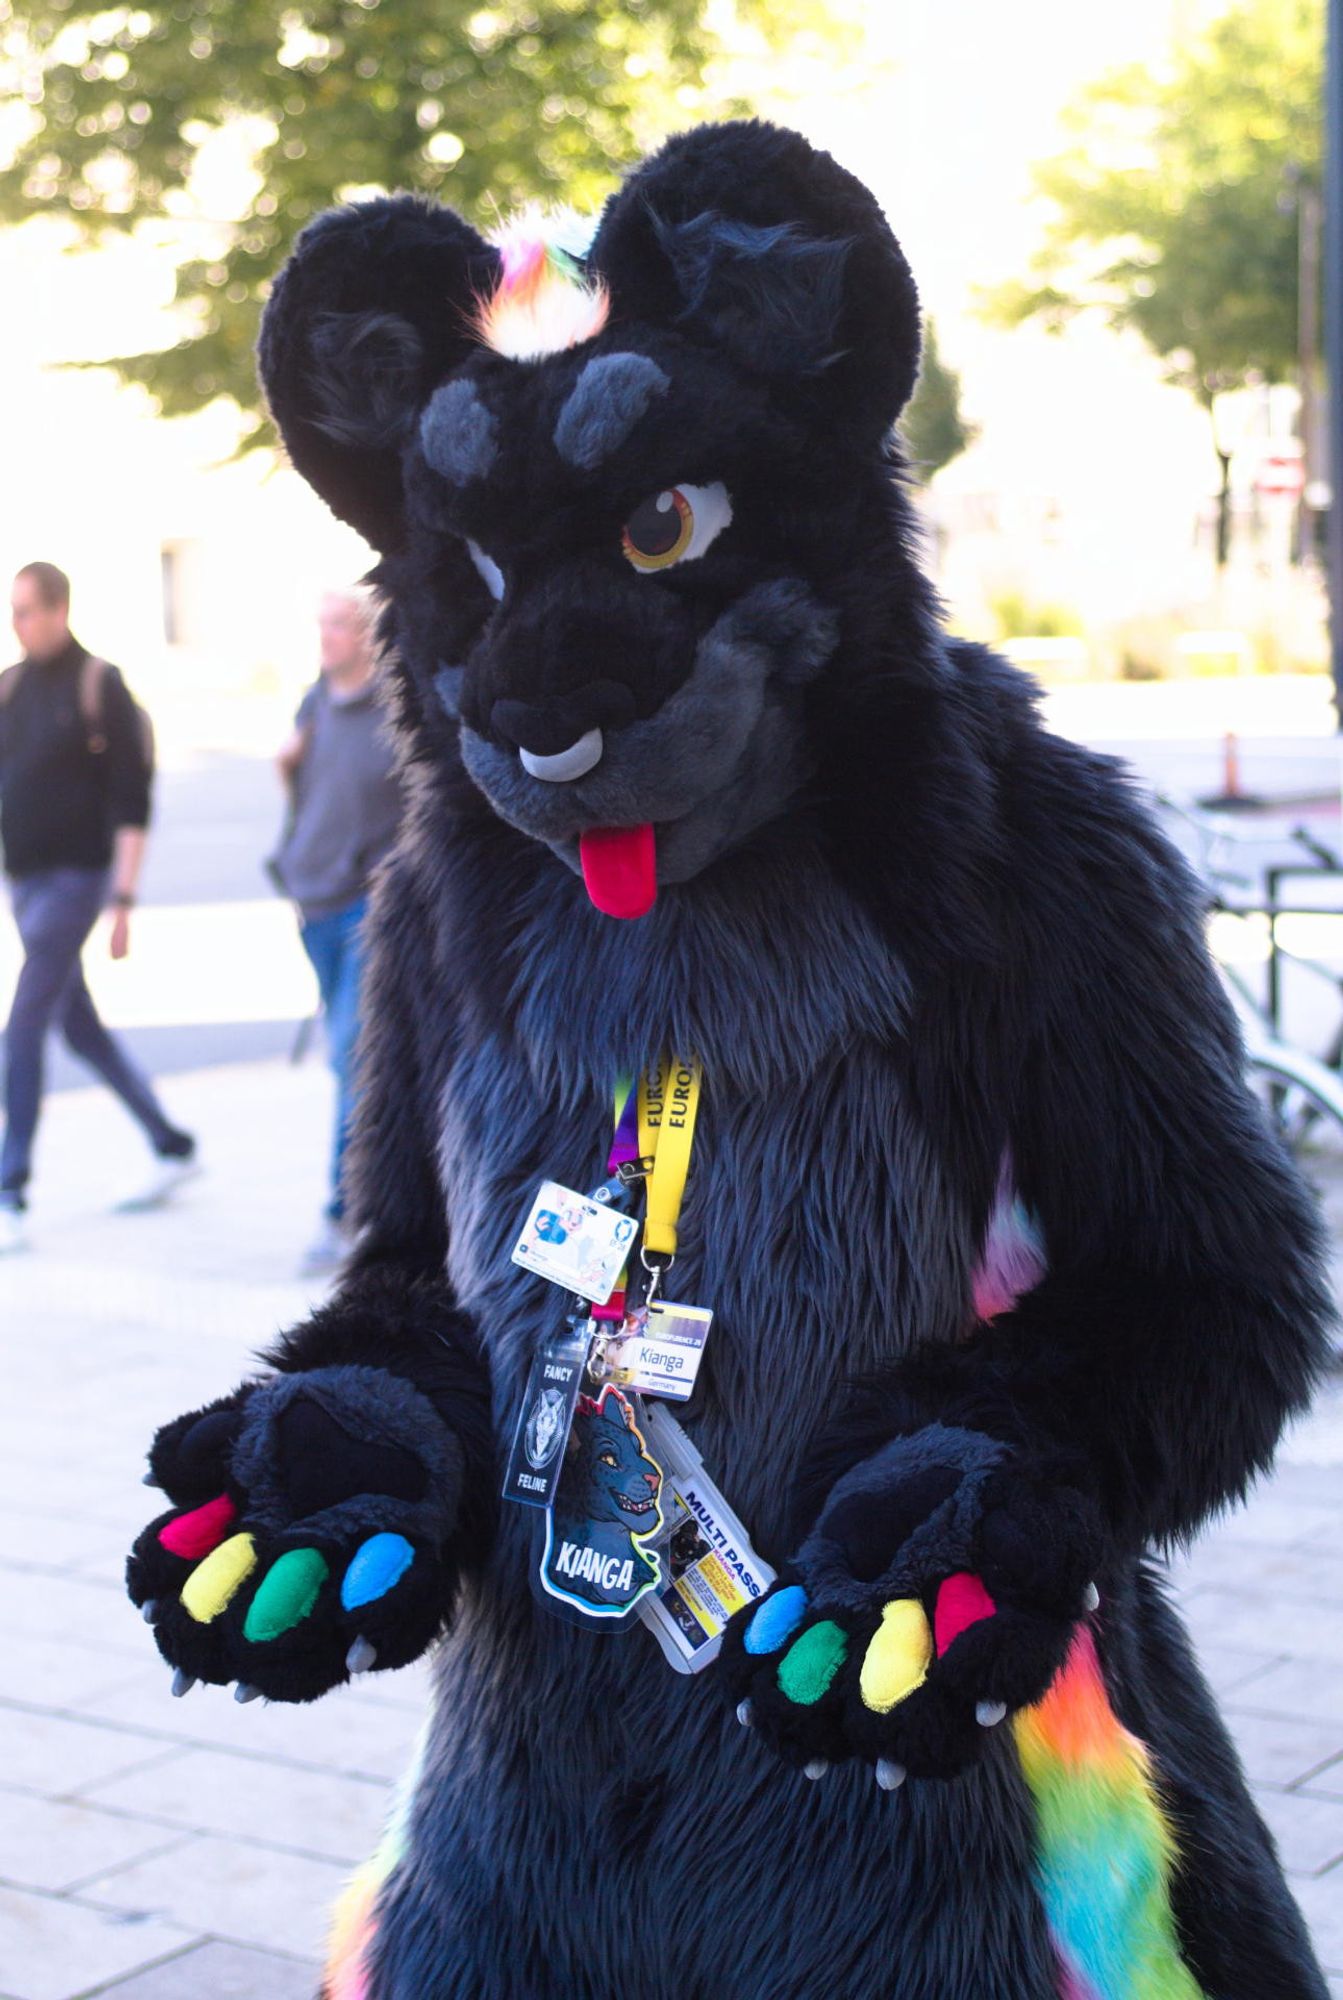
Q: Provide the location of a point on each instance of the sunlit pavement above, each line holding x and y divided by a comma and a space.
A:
155, 1849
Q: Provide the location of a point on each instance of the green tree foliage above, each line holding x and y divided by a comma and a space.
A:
933, 425
1173, 205
479, 104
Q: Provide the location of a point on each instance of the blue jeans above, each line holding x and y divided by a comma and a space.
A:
335, 946
55, 910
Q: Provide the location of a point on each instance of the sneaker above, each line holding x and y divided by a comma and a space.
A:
13, 1229
327, 1251
167, 1175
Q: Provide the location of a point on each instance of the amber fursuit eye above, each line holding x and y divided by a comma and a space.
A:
659, 531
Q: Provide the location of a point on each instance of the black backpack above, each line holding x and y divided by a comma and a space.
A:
92, 680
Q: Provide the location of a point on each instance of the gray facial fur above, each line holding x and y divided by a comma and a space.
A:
448, 688
458, 434
604, 405
720, 758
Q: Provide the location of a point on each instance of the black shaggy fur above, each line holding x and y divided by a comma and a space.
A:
910, 934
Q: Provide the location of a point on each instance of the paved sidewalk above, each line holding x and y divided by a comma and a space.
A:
153, 1849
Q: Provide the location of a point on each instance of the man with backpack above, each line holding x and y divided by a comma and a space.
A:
76, 767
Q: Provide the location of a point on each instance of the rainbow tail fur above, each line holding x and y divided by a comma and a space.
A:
354, 1919
1105, 1847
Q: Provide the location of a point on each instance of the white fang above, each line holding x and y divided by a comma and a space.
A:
579, 758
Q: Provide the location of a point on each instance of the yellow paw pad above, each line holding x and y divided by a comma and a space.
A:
899, 1656
213, 1584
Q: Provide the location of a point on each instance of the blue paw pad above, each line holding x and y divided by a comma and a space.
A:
380, 1563
776, 1620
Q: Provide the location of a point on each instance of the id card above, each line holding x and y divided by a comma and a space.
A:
710, 1568
576, 1242
546, 1416
659, 1349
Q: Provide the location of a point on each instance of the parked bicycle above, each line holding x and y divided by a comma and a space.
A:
1298, 1090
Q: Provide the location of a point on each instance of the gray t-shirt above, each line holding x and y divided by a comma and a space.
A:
346, 802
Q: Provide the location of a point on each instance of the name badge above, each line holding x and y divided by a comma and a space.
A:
547, 1413
576, 1242
596, 1565
659, 1349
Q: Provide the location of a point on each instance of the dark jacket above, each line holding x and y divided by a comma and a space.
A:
61, 800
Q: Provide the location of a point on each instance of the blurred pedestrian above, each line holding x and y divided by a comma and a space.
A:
344, 808
76, 770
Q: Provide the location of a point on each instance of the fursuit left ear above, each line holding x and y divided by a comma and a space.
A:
364, 321
745, 238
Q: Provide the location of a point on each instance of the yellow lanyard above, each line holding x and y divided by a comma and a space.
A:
668, 1106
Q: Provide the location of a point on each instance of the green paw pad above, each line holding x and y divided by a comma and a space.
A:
287, 1594
811, 1663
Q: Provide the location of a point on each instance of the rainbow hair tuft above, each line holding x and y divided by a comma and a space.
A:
1105, 1849
354, 1921
543, 303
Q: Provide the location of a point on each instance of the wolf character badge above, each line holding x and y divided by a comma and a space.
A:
607, 1507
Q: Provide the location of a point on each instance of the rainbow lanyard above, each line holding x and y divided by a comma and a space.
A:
653, 1142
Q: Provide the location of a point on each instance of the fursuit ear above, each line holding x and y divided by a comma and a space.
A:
366, 318
745, 237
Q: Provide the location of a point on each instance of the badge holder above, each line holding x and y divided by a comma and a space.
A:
586, 1452
711, 1569
578, 1452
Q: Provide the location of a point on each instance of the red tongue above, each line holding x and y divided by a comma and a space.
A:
620, 868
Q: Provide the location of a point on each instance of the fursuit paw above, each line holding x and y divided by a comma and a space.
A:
938, 1591
309, 1536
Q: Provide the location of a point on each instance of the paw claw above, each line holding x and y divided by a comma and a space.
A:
988, 1714
245, 1692
183, 1682
148, 1609
817, 1768
1091, 1598
890, 1775
746, 1713
361, 1656
148, 1479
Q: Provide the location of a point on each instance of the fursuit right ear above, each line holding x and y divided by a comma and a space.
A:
745, 238
370, 313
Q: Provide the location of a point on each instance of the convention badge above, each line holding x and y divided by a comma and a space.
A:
553, 1387
575, 1241
658, 1350
595, 1565
710, 1568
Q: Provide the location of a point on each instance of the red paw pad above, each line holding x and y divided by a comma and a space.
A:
961, 1601
193, 1535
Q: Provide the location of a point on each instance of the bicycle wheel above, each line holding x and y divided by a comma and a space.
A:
1302, 1099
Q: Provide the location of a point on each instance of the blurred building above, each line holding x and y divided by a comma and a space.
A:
199, 572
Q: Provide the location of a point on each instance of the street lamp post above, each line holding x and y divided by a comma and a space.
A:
1332, 247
